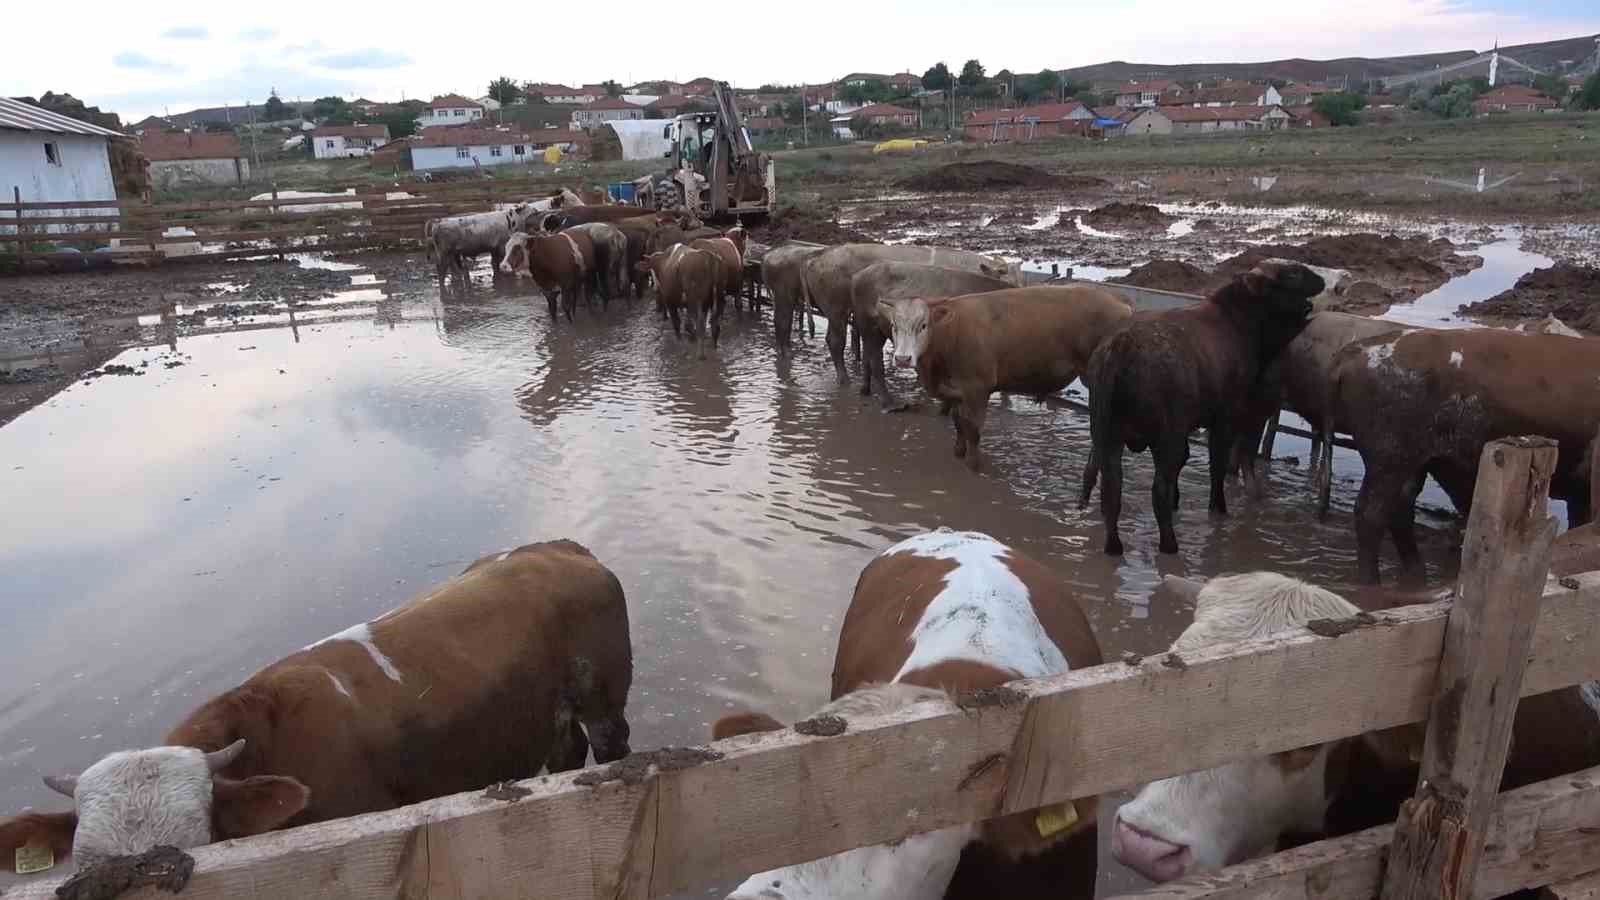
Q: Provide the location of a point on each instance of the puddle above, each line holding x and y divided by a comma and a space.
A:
1066, 268
1482, 184
1181, 228
1503, 263
321, 261
1094, 232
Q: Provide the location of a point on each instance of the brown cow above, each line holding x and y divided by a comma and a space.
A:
780, 272
1176, 370
638, 231
688, 279
1032, 340
560, 264
729, 247
1206, 820
483, 679
1424, 402
950, 611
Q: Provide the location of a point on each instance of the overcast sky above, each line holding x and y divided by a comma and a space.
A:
179, 56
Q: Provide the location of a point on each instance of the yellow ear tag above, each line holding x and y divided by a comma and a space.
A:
35, 859
1056, 819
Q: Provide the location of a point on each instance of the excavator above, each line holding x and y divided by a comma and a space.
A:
715, 172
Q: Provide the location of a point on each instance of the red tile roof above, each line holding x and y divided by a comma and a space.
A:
612, 103
1044, 112
454, 101
465, 137
1214, 113
882, 109
159, 146
1136, 87
361, 131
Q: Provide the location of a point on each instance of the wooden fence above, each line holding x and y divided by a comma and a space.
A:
751, 803
374, 216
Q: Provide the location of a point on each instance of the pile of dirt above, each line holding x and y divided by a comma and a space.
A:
792, 223
1173, 275
1569, 292
990, 174
1405, 268
1128, 217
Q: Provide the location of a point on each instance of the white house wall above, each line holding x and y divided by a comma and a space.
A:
175, 173
423, 158
84, 173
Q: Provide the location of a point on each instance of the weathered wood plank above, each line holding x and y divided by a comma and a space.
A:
1439, 836
783, 798
1584, 887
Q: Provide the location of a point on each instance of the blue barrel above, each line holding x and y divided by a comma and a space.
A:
621, 191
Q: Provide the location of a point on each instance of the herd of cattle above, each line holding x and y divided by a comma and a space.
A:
523, 662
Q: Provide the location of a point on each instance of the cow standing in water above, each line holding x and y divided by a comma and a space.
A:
520, 662
949, 612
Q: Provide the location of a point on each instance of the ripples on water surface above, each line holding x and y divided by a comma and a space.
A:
167, 534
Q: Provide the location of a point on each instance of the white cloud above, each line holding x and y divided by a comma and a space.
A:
350, 52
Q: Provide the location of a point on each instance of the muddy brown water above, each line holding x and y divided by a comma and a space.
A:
167, 534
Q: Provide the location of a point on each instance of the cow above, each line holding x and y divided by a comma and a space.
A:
564, 218
780, 272
489, 677
729, 247
1172, 371
609, 276
560, 264
1033, 340
638, 231
889, 280
454, 239
1424, 402
948, 612
562, 199
1205, 820
826, 279
690, 279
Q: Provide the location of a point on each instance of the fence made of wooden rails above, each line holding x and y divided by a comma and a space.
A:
373, 216
757, 802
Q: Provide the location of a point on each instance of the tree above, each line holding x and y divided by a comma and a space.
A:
1046, 84
794, 109
328, 107
275, 110
1588, 95
1454, 103
937, 78
1080, 89
402, 119
971, 74
1339, 108
770, 88
1553, 86
612, 88
505, 91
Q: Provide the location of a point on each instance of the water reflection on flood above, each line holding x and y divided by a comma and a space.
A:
306, 468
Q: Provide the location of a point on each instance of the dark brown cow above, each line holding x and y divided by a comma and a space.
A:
486, 678
1032, 341
681, 285
1176, 370
950, 611
560, 264
638, 231
1204, 820
1424, 402
729, 247
560, 219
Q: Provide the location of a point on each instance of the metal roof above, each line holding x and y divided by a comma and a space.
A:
19, 116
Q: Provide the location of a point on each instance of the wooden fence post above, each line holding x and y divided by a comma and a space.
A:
22, 246
1439, 836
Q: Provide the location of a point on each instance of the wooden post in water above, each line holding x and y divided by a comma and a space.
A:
1439, 836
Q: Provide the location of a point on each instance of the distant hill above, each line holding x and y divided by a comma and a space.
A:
1546, 55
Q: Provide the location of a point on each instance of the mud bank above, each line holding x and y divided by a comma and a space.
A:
1126, 217
818, 226
1570, 293
993, 175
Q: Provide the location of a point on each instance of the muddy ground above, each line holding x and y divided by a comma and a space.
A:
1568, 292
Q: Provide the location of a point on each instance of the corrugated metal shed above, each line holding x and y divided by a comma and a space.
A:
19, 116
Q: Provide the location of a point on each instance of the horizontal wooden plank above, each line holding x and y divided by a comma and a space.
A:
1584, 887
37, 221
1538, 834
70, 204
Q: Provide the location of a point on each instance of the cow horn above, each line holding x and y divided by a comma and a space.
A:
62, 784
217, 760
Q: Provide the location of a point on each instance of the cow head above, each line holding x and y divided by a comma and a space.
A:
736, 234
516, 259
1217, 817
134, 800
517, 216
919, 866
551, 221
910, 322
1278, 296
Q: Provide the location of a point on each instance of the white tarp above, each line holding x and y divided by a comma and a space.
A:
641, 138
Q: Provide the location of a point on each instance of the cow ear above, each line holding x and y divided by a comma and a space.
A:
744, 723
65, 785
1184, 588
255, 805
51, 830
938, 313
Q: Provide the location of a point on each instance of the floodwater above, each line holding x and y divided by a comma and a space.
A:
268, 482
1504, 261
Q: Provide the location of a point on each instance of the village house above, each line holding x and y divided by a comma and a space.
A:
1188, 120
1145, 93
700, 87
1305, 93
675, 105
1513, 98
1028, 122
194, 159
51, 158
1111, 121
558, 93
609, 109
450, 109
765, 128
1230, 93
905, 82
150, 123
488, 103
886, 114
465, 148
341, 141
861, 79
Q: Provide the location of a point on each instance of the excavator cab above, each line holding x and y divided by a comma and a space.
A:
715, 173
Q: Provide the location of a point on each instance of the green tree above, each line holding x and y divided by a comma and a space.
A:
328, 108
794, 109
504, 90
402, 119
971, 74
1553, 86
1589, 95
937, 78
275, 110
1454, 103
612, 88
1340, 108
1046, 84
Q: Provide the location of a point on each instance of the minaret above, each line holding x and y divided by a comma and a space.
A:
1494, 63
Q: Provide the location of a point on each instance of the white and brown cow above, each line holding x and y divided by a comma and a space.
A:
560, 264
939, 613
486, 678
1205, 820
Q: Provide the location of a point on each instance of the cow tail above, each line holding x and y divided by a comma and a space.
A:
1324, 474
1104, 449
427, 238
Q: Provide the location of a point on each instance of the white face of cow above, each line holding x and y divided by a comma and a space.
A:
1218, 817
515, 259
909, 322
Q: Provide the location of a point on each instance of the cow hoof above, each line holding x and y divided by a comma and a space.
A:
1113, 546
1169, 546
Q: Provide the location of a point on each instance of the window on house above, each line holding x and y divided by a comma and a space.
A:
329, 143
461, 153
52, 153
495, 150
458, 113
519, 150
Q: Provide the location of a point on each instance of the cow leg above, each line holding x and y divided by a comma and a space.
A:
496, 254
716, 326
836, 328
1382, 489
782, 324
1108, 455
973, 411
1169, 455
550, 298
569, 748
855, 342
677, 319
1403, 529
869, 371
1219, 441
570, 297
